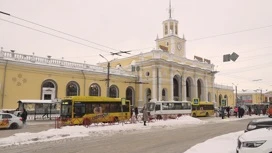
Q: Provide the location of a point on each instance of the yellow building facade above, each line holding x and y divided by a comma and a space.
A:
162, 74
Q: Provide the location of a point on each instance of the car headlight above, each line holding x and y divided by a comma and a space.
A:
253, 144
250, 127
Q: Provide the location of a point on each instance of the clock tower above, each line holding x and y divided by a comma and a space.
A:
171, 42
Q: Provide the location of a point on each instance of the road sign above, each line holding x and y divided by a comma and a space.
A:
234, 56
195, 101
226, 58
223, 102
229, 57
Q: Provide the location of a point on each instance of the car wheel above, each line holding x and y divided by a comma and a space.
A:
14, 126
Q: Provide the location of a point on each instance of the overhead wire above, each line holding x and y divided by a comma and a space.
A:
53, 35
212, 36
62, 32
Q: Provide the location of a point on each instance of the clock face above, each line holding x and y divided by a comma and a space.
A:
179, 46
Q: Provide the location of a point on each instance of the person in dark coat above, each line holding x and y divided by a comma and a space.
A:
45, 112
223, 112
239, 112
249, 111
228, 111
136, 112
145, 115
242, 112
24, 116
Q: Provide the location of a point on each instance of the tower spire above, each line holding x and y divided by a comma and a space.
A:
170, 10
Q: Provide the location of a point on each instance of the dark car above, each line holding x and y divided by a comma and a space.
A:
259, 123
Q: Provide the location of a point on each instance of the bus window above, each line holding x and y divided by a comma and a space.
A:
105, 108
79, 109
115, 107
89, 109
150, 106
158, 107
178, 106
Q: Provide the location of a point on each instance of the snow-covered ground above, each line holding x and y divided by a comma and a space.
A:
223, 144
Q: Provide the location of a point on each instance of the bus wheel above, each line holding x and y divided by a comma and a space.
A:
207, 114
159, 117
194, 114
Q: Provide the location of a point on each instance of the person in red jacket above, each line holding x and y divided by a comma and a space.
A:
269, 111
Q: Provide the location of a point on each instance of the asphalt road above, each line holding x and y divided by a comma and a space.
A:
156, 140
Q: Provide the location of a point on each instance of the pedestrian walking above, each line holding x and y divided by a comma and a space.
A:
24, 116
269, 111
249, 110
145, 115
228, 111
222, 112
236, 111
45, 112
136, 112
239, 112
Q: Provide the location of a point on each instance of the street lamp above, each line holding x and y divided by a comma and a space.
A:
108, 75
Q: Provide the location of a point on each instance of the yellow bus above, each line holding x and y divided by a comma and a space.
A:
76, 110
203, 109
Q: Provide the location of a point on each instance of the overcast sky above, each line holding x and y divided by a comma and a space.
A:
240, 26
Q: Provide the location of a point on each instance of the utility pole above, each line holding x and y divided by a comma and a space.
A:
261, 95
108, 80
236, 94
108, 75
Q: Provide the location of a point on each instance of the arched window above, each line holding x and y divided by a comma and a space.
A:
48, 84
94, 90
176, 87
72, 89
130, 95
49, 89
114, 92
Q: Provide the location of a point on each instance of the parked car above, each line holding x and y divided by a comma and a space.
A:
256, 141
259, 123
11, 121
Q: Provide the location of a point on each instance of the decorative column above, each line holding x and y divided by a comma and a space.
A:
205, 96
154, 83
159, 84
140, 100
184, 98
195, 87
213, 92
171, 85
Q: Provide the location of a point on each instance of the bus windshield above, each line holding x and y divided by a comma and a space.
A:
66, 109
150, 106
